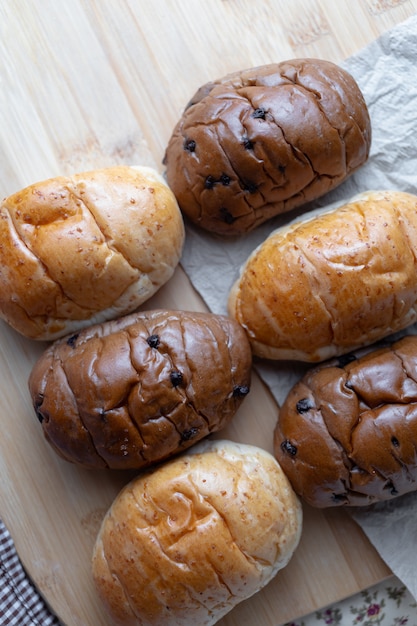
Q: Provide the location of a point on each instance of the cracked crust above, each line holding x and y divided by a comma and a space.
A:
327, 285
131, 392
86, 248
347, 433
187, 542
264, 141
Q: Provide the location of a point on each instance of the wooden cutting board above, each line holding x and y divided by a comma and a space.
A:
86, 84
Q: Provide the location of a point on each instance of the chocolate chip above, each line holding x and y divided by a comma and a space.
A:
389, 486
186, 435
71, 340
226, 215
259, 114
240, 391
189, 145
395, 442
339, 497
37, 406
251, 187
176, 378
393, 491
153, 341
345, 359
304, 405
225, 180
209, 182
247, 143
288, 447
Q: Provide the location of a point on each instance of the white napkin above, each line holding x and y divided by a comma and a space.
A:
386, 72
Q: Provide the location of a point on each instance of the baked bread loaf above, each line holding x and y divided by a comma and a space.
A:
86, 248
183, 545
134, 391
260, 142
347, 432
328, 285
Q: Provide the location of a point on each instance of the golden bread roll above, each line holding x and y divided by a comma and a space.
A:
330, 284
347, 432
133, 391
86, 248
260, 142
186, 543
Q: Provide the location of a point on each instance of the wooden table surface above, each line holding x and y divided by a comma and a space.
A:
87, 84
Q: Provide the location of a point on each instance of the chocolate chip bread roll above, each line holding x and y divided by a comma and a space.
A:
187, 542
347, 433
134, 391
82, 249
260, 142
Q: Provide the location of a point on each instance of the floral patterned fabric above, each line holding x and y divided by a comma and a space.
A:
386, 604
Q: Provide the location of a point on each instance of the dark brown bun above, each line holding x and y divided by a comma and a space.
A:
347, 432
263, 141
134, 391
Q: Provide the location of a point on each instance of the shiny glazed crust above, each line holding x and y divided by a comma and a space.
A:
86, 248
263, 141
328, 285
186, 543
134, 391
347, 433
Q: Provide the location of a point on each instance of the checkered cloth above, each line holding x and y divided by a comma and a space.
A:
20, 603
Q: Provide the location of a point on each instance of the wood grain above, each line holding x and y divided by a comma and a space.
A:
86, 84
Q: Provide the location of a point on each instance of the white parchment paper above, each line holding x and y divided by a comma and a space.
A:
386, 72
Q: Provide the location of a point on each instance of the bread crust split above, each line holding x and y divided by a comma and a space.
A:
132, 392
263, 141
328, 285
184, 544
347, 432
81, 249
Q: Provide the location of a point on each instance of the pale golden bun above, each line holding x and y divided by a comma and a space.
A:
325, 286
184, 544
86, 248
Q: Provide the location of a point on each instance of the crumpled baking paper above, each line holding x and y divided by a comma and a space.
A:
386, 71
